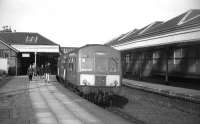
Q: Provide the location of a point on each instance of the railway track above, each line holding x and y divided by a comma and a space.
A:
125, 115
115, 108
141, 107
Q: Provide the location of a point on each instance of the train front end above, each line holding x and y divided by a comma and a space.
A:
99, 70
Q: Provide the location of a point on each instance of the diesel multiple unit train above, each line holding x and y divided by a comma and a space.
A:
91, 69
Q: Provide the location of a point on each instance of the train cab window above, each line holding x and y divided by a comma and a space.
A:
113, 64
86, 64
100, 63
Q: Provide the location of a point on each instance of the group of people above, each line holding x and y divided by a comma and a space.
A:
41, 72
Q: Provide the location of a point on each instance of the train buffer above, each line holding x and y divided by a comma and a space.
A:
182, 93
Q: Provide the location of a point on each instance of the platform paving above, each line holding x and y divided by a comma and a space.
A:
41, 102
183, 93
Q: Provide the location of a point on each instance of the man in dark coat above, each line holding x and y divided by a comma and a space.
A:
30, 73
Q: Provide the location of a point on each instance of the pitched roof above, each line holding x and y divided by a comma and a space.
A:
184, 21
150, 27
3, 42
179, 22
190, 15
115, 39
145, 30
121, 37
25, 38
130, 33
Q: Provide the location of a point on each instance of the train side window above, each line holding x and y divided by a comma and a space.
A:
74, 64
70, 66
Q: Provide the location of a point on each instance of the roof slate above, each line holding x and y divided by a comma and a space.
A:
193, 13
115, 39
25, 38
184, 21
4, 42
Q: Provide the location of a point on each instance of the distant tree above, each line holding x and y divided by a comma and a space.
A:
6, 29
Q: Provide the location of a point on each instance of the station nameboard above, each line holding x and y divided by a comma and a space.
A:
25, 55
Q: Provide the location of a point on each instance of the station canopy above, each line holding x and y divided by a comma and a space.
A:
29, 42
184, 28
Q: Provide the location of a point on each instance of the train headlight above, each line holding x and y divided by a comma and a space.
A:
86, 79
113, 80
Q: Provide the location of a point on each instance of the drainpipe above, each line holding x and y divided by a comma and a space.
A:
166, 62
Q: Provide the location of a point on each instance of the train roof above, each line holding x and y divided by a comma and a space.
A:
89, 45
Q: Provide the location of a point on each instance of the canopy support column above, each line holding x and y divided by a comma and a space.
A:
35, 59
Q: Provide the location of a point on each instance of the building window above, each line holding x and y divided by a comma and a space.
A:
4, 53
178, 55
1, 53
127, 59
155, 57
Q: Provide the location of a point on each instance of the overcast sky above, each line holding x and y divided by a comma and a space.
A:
74, 23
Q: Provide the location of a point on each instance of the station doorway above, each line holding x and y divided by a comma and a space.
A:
51, 59
42, 59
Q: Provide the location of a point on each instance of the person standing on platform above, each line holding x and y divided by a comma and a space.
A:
30, 73
41, 72
34, 70
47, 71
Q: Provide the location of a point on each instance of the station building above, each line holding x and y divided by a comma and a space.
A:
162, 51
19, 50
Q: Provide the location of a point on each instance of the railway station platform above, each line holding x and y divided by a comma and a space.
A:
182, 93
41, 102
